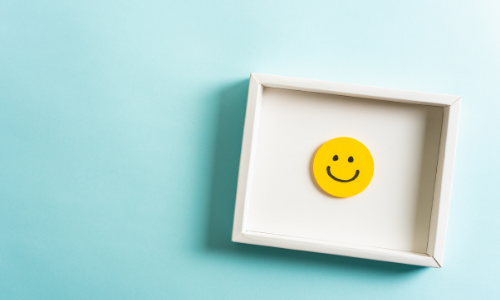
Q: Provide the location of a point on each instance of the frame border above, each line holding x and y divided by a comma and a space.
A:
434, 255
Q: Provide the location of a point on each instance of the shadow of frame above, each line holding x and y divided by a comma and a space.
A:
230, 122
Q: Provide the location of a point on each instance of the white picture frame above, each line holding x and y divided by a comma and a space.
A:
434, 253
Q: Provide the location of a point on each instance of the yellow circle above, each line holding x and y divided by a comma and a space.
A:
343, 167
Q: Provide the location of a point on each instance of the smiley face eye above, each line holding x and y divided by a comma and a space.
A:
335, 158
351, 159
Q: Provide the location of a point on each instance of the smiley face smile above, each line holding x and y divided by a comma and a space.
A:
341, 180
350, 161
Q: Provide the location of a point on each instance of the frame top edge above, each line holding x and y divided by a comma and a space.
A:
356, 90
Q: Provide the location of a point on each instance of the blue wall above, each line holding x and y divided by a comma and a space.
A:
120, 132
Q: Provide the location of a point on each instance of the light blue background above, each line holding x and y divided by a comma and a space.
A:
120, 135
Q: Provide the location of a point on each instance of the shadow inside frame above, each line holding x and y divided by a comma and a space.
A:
231, 116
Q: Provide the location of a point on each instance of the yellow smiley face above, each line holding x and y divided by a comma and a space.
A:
343, 167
